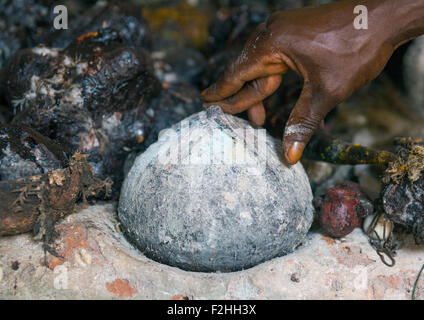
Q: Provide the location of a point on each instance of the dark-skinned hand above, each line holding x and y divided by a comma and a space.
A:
323, 46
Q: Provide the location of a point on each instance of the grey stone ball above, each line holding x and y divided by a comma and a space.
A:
213, 194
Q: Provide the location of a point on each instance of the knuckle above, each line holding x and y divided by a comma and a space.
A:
310, 123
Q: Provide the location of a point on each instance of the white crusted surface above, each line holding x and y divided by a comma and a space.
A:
173, 201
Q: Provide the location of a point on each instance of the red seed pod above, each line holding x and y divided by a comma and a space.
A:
342, 209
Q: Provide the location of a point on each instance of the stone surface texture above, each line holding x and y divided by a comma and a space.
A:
223, 200
100, 264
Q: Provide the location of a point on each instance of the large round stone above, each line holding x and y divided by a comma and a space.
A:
214, 195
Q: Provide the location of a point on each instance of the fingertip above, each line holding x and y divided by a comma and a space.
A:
211, 93
293, 151
256, 123
224, 107
257, 115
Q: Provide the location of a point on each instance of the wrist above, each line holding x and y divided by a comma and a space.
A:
389, 21
403, 20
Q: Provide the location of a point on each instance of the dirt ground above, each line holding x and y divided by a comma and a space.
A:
98, 263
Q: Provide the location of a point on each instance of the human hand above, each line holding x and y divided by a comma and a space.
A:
322, 45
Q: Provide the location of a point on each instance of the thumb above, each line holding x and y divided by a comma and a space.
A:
309, 112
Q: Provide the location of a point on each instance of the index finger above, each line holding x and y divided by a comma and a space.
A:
254, 61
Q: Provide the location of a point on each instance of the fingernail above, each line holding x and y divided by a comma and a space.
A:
294, 152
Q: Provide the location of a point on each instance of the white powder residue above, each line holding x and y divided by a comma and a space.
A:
297, 129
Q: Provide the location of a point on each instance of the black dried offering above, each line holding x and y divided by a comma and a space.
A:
403, 194
24, 152
92, 96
